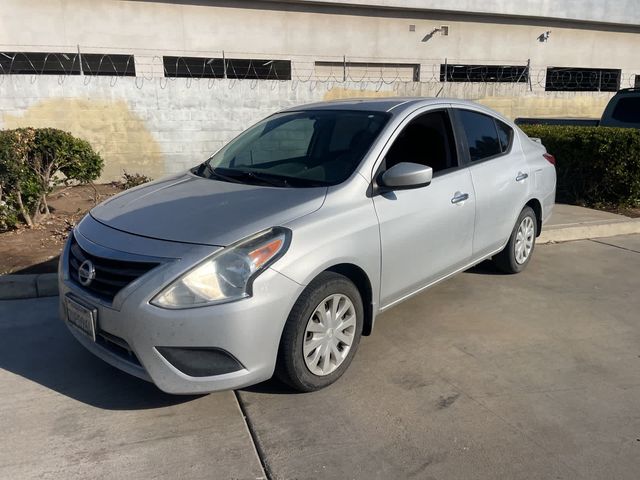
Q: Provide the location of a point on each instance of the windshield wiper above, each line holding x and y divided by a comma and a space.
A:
214, 173
252, 176
274, 181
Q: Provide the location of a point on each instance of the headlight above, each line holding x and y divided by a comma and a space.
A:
228, 274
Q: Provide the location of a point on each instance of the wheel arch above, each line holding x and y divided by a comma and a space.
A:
361, 280
536, 206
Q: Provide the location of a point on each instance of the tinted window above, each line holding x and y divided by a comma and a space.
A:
505, 135
307, 148
427, 140
482, 136
627, 110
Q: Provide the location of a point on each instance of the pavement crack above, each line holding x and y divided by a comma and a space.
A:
259, 451
612, 245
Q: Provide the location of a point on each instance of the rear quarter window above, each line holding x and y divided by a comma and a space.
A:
505, 135
482, 135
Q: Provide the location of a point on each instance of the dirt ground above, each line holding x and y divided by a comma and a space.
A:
628, 212
36, 250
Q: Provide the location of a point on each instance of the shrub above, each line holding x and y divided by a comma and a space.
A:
72, 156
8, 216
596, 166
130, 180
30, 160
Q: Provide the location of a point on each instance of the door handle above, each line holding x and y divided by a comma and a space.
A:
521, 176
459, 197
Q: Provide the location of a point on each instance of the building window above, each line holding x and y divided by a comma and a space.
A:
39, 63
484, 73
561, 79
115, 65
366, 71
238, 68
47, 63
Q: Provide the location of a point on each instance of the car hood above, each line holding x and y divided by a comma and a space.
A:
191, 209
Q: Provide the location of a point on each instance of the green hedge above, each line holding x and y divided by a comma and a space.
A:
31, 161
596, 166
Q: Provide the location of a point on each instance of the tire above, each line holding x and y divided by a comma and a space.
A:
294, 367
510, 260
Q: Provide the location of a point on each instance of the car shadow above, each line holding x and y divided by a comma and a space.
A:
48, 266
272, 386
485, 268
41, 349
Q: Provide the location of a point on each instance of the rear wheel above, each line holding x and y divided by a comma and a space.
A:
322, 333
517, 254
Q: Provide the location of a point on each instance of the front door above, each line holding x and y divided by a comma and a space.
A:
426, 233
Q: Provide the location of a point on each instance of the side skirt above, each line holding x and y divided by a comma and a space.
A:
429, 285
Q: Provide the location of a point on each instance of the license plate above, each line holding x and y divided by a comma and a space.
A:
82, 318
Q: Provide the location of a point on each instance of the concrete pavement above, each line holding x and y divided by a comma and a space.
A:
485, 376
66, 414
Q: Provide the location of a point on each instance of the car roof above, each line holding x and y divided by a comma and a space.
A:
381, 104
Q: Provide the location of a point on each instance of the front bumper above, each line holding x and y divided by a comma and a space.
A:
249, 329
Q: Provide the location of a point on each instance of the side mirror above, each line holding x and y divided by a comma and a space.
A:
405, 175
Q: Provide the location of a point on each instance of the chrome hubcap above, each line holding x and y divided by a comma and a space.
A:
329, 334
525, 237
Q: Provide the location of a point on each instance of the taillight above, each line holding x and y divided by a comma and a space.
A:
549, 158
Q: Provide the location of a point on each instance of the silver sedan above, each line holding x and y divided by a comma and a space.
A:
277, 253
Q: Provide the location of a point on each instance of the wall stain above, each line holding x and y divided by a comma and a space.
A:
540, 107
111, 127
544, 104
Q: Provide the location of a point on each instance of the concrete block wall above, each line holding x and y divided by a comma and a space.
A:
157, 126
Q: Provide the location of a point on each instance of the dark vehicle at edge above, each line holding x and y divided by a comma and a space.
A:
623, 110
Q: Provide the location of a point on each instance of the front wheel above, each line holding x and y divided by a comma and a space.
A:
517, 254
322, 333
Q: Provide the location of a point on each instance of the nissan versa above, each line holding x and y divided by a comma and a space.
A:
277, 253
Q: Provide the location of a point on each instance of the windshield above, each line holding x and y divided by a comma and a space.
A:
297, 149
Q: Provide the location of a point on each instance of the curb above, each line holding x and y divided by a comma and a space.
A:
583, 231
14, 287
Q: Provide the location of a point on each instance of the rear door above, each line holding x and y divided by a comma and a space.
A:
425, 232
500, 176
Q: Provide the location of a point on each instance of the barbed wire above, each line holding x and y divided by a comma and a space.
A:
307, 69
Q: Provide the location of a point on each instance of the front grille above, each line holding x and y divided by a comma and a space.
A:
111, 275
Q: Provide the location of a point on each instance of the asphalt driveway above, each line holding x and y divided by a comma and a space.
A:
485, 376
